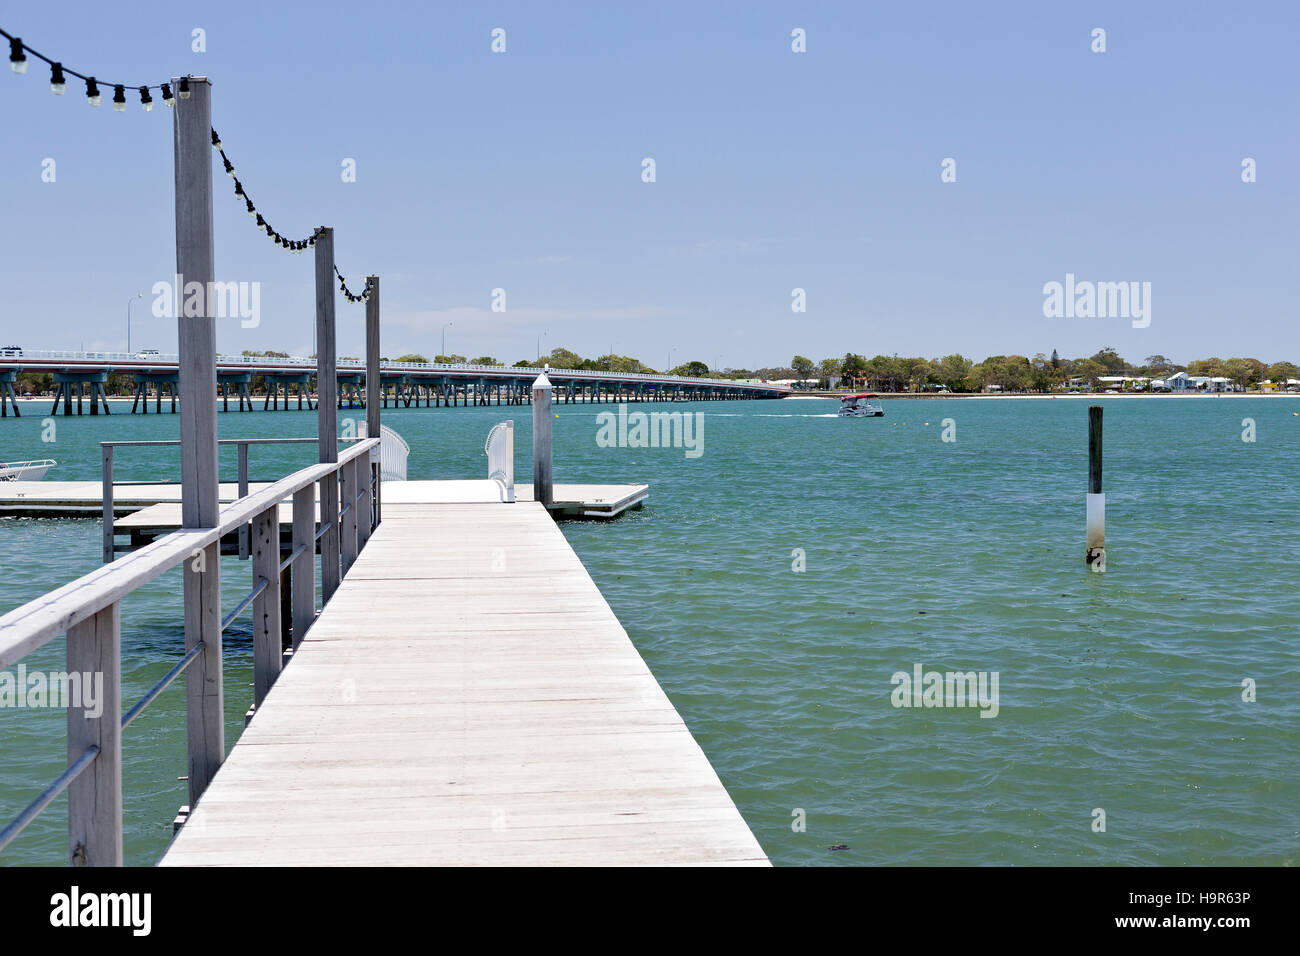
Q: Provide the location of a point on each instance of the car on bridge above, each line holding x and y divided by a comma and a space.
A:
11, 351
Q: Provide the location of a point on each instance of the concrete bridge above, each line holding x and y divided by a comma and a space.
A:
83, 375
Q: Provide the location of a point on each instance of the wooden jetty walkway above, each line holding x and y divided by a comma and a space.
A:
496, 713
433, 682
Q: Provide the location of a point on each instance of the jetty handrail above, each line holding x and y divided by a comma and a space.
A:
106, 456
88, 610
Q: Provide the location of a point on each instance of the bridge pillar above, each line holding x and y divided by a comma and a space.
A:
66, 382
7, 397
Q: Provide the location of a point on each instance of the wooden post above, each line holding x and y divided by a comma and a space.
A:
542, 489
374, 383
286, 608
366, 486
268, 655
197, 371
348, 513
1095, 544
327, 414
95, 797
243, 493
106, 473
304, 565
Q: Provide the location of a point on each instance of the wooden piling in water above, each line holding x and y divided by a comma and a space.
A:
1095, 537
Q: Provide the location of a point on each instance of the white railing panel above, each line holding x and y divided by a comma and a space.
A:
500, 448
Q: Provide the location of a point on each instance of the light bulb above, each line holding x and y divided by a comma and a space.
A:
92, 92
17, 58
58, 83
168, 99
145, 99
119, 98
185, 88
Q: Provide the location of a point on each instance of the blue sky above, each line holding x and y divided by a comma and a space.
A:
775, 170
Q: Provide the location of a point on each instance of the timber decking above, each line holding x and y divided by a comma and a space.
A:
156, 507
466, 697
86, 498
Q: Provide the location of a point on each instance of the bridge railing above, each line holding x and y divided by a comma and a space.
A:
260, 362
88, 610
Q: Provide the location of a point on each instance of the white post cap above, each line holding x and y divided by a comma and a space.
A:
541, 382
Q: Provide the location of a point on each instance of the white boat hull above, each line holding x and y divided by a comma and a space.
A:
25, 470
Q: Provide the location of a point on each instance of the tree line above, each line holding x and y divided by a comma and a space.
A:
1019, 373
882, 373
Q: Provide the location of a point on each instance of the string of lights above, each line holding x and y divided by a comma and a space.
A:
59, 74
18, 52
348, 293
293, 246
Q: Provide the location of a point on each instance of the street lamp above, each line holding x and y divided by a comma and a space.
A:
669, 369
138, 295
444, 338
539, 348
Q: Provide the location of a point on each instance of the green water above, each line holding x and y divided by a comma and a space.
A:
1120, 691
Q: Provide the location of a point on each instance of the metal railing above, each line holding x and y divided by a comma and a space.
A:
259, 363
111, 548
88, 610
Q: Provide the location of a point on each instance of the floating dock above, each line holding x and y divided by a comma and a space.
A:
495, 713
155, 508
85, 499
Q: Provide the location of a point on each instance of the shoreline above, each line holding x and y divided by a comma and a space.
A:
821, 396
884, 396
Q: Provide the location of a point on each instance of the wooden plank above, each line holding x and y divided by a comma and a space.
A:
482, 718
